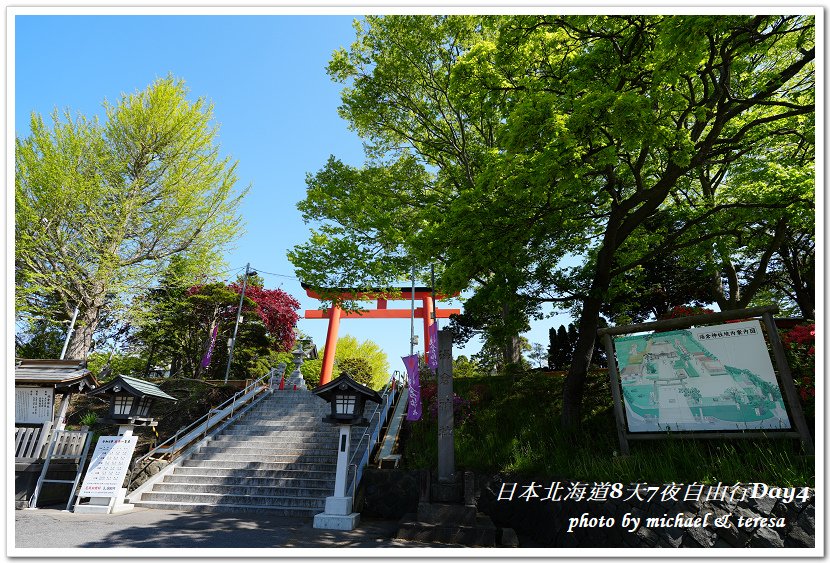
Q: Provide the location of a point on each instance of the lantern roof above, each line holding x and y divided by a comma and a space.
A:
133, 386
345, 383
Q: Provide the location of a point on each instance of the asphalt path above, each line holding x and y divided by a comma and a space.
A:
48, 529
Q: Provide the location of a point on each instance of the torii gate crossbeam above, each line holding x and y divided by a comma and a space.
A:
335, 313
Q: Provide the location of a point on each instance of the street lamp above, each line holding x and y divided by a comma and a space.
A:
347, 399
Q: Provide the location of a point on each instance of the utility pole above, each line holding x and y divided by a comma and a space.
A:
238, 316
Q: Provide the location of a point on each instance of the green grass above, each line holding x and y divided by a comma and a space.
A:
515, 428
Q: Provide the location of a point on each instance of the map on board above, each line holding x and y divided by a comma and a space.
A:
707, 378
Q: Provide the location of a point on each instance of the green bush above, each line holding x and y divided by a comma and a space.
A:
311, 370
514, 428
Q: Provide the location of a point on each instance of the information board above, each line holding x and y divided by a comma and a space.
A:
109, 465
706, 378
33, 405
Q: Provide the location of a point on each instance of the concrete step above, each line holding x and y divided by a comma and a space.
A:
279, 424
244, 490
228, 507
272, 450
271, 430
239, 500
291, 481
231, 472
275, 466
270, 443
267, 457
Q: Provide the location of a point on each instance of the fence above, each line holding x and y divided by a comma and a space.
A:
30, 440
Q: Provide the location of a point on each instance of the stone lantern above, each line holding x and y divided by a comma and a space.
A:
348, 400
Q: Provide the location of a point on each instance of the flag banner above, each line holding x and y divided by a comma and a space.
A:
206, 359
413, 411
432, 353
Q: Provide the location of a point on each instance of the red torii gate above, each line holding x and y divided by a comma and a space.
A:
335, 313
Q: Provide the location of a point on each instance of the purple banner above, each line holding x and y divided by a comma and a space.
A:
432, 353
206, 360
413, 411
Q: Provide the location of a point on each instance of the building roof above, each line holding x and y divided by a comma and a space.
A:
62, 375
135, 387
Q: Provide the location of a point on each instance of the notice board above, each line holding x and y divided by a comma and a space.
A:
109, 465
33, 405
705, 378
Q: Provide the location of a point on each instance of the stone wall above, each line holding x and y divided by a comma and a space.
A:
387, 493
142, 474
391, 493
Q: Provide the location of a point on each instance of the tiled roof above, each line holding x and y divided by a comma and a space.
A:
58, 373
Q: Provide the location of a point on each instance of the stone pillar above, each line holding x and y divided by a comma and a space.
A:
446, 439
296, 378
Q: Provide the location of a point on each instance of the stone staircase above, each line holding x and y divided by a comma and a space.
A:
279, 457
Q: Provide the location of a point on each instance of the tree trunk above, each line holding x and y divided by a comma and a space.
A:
574, 388
81, 340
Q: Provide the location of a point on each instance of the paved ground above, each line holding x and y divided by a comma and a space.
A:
47, 528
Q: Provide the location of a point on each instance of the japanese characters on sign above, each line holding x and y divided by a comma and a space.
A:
108, 467
33, 405
706, 378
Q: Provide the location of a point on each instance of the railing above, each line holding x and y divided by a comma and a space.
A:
360, 457
171, 448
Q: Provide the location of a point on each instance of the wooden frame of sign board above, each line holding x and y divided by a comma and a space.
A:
785, 378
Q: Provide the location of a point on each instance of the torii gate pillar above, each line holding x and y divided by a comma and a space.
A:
331, 336
425, 312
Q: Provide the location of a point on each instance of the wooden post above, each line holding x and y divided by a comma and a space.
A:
60, 420
786, 378
614, 380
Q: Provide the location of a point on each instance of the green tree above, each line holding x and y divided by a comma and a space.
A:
101, 208
537, 354
499, 146
371, 359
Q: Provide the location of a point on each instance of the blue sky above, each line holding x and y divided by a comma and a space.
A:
276, 107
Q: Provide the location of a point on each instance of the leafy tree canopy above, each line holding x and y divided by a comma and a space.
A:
498, 146
100, 208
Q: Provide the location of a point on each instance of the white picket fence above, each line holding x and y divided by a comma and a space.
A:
30, 442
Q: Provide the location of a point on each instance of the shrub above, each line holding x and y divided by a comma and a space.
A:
799, 344
311, 370
686, 311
